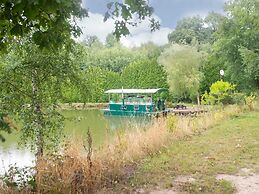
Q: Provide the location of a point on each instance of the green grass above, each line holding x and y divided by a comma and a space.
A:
226, 148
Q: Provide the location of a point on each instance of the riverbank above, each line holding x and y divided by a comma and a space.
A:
82, 106
223, 159
120, 165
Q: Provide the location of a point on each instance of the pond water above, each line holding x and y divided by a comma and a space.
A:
77, 123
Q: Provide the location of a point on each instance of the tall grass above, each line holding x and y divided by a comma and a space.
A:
80, 169
186, 126
77, 171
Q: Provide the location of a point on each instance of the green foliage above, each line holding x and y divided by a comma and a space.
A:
236, 48
111, 41
49, 24
171, 122
94, 81
103, 66
220, 93
4, 126
19, 177
31, 82
195, 28
98, 80
182, 65
144, 74
113, 58
211, 71
52, 24
123, 14
250, 100
251, 65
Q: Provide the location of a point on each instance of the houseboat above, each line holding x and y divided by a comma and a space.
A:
135, 102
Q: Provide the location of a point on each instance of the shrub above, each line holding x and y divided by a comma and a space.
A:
220, 93
17, 177
171, 122
239, 98
249, 101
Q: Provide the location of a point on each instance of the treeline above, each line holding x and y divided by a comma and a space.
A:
188, 65
197, 50
110, 65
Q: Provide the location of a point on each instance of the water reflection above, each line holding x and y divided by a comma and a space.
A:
76, 124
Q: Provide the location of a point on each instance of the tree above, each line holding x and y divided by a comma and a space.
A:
31, 81
211, 71
144, 74
114, 58
40, 58
51, 23
251, 65
236, 48
131, 12
214, 20
4, 126
182, 65
150, 50
90, 41
94, 82
190, 29
111, 41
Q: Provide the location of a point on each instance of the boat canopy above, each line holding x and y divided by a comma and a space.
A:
134, 91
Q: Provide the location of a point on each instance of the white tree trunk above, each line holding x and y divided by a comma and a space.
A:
39, 117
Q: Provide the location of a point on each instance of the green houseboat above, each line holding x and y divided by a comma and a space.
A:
135, 102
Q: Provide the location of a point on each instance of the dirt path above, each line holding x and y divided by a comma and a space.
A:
245, 182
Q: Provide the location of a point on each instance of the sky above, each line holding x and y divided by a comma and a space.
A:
168, 12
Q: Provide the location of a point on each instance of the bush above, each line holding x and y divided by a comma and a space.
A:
249, 101
171, 122
239, 98
17, 177
220, 93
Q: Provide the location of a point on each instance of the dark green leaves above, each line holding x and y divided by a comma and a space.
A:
4, 126
129, 13
236, 48
50, 20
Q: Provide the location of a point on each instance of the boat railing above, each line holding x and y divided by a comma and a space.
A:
132, 103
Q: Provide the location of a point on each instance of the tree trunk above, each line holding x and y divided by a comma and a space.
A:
198, 99
36, 105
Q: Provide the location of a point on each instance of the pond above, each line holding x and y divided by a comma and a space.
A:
77, 123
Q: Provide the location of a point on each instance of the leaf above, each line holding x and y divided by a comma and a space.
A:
106, 16
125, 13
17, 30
109, 5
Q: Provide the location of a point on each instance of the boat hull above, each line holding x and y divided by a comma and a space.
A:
108, 112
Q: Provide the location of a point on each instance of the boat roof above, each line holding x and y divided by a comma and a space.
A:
134, 91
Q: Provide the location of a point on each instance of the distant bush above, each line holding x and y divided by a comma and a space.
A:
220, 93
239, 98
171, 122
249, 101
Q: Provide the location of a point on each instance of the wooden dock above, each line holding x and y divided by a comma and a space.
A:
186, 111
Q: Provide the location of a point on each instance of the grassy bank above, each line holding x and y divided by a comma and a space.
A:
225, 149
80, 169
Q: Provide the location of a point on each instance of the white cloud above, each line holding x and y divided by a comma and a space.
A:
158, 37
94, 25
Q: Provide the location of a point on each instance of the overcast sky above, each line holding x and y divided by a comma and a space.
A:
168, 12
